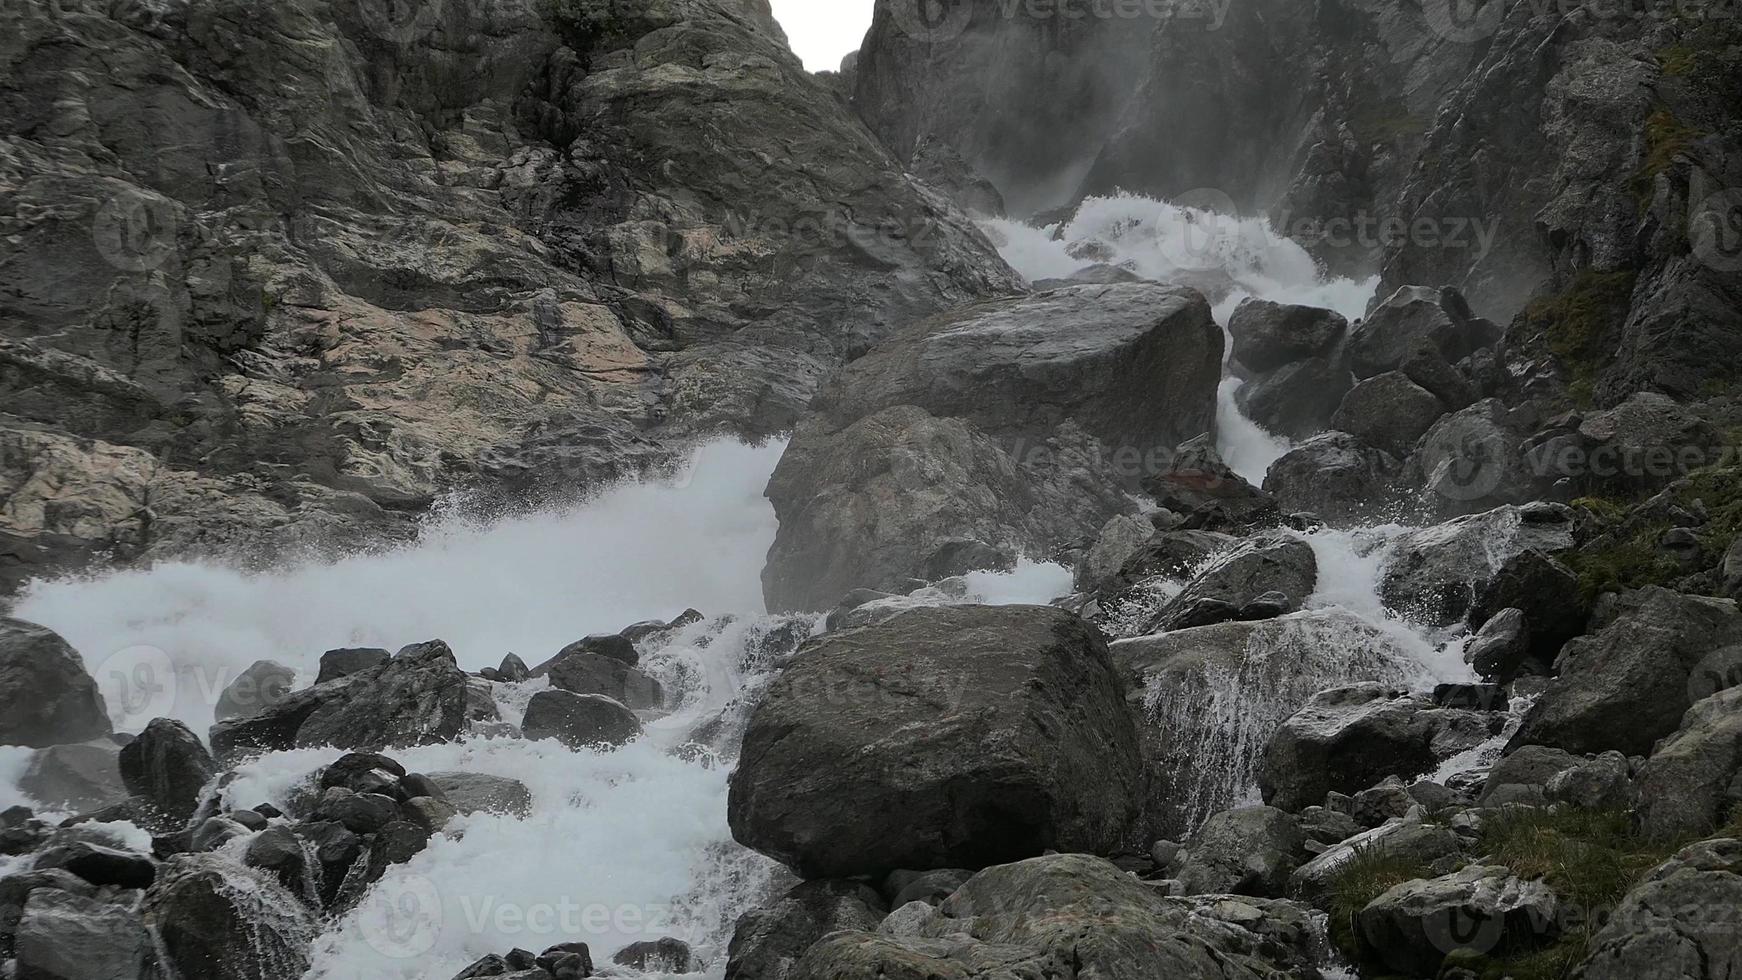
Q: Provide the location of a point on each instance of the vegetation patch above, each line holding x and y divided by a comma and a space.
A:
1666, 137
1579, 323
1370, 873
1626, 555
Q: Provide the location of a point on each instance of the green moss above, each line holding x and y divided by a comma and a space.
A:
1678, 60
1578, 323
1666, 137
1631, 563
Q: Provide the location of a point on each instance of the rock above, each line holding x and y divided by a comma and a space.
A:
579, 720
1393, 331
1432, 576
1296, 401
213, 833
1074, 908
363, 772
513, 670
1407, 841
1680, 921
1555, 607
1690, 783
925, 887
1389, 412
217, 920
1346, 739
15, 891
1603, 783
474, 792
353, 660
1211, 698
1501, 648
768, 941
1199, 484
1644, 444
665, 955
1387, 801
50, 699
581, 672
1120, 539
360, 813
610, 645
428, 814
985, 732
1414, 926
417, 697
566, 961
1248, 851
1427, 367
277, 850
168, 766
1170, 554
986, 425
1334, 475
99, 864
1269, 335
63, 935
1470, 461
263, 684
1262, 565
1523, 774
941, 167
83, 776
1630, 684
1480, 697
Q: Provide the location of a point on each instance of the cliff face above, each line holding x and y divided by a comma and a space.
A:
275, 274
1510, 151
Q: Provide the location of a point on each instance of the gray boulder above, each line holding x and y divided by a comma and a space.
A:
15, 892
1388, 412
168, 766
1333, 475
63, 936
1119, 540
1546, 591
1261, 565
1433, 576
1470, 461
1391, 333
1601, 783
768, 941
579, 720
472, 792
1679, 922
1248, 851
1269, 335
1407, 841
262, 685
1414, 926
50, 698
350, 660
218, 920
944, 737
1523, 775
1211, 698
1346, 739
1198, 483
1643, 444
1501, 647
1692, 783
1297, 400
986, 425
582, 672
1631, 683
82, 776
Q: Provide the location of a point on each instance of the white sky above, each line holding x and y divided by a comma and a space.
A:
822, 32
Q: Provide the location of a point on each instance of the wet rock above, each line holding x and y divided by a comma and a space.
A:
218, 920
278, 851
99, 864
264, 683
1481, 697
1501, 648
1470, 461
1433, 576
944, 737
1630, 684
1297, 400
610, 645
579, 720
1414, 926
768, 941
83, 776
1547, 592
1334, 475
1349, 738
1170, 554
352, 660
1388, 412
664, 955
15, 891
473, 792
168, 765
50, 698
1522, 776
1120, 539
1690, 784
926, 887
1198, 483
581, 672
1390, 335
513, 670
937, 163
1680, 921
1248, 851
1269, 335
1258, 568
63, 935
1644, 444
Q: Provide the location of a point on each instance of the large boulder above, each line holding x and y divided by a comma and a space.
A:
1413, 315
83, 776
1074, 915
1690, 784
1250, 850
49, 698
1333, 475
1198, 483
1346, 739
1000, 404
168, 766
1269, 335
579, 720
1642, 445
417, 697
262, 685
1407, 841
1211, 698
63, 936
1470, 461
1545, 591
944, 737
346, 661
1388, 412
15, 892
1433, 576
1631, 683
218, 920
471, 792
1684, 920
1297, 400
1414, 926
767, 941
583, 672
1266, 565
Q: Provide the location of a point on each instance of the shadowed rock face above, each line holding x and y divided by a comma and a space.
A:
280, 273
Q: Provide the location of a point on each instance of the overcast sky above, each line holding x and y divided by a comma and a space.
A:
823, 31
